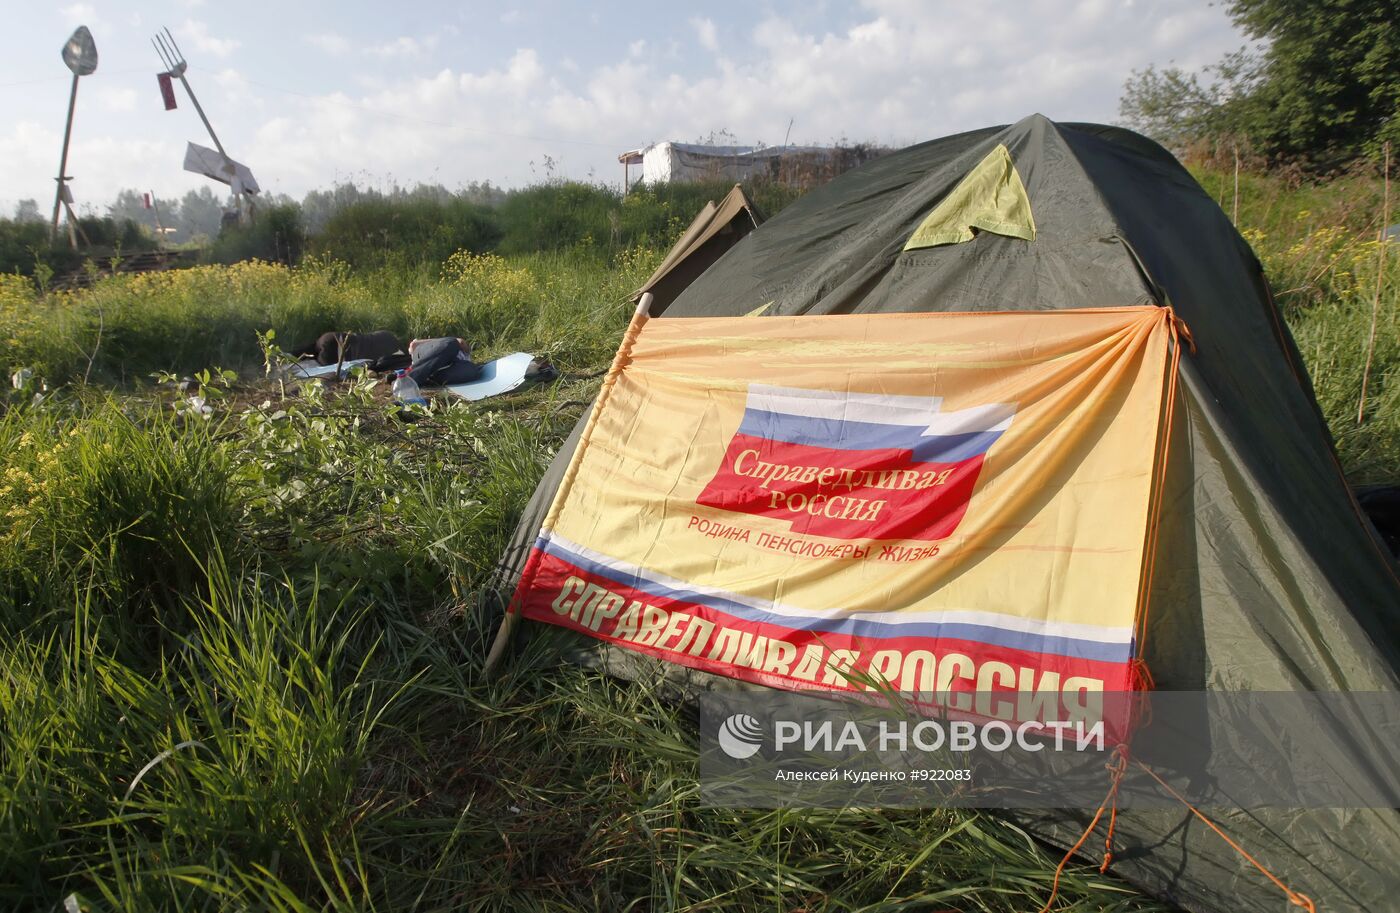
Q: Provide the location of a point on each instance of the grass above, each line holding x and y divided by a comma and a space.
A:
242, 662
567, 305
1319, 249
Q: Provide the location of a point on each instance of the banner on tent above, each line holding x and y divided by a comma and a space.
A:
936, 502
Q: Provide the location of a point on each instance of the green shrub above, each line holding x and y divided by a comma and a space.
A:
24, 246
275, 235
561, 216
378, 234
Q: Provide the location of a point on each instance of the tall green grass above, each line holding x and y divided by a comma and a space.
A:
568, 305
564, 216
395, 234
1319, 249
115, 505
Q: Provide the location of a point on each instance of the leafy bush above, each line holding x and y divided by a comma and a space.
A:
1319, 89
377, 234
24, 245
565, 215
275, 235
20, 244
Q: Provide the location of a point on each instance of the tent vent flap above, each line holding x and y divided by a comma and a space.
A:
990, 198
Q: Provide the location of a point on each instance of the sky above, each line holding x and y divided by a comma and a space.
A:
309, 93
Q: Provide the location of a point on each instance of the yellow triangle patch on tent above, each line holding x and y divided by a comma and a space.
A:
990, 198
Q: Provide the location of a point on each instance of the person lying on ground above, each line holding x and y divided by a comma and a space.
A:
373, 346
442, 362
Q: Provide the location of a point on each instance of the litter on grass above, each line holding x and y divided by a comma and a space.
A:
497, 377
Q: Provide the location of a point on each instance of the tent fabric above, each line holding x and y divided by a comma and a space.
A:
991, 198
709, 235
1267, 577
768, 454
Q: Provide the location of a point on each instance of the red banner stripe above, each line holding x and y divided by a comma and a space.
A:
563, 593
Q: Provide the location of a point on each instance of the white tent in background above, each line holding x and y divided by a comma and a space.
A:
664, 163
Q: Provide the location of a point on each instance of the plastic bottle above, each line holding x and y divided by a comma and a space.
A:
406, 390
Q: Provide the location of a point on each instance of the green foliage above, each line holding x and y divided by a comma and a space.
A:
1322, 91
25, 247
117, 506
1319, 249
556, 216
22, 244
403, 231
275, 235
1329, 83
127, 327
561, 216
1179, 110
376, 232
115, 235
379, 233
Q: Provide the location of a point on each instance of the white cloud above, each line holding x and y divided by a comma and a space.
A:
404, 47
81, 14
240, 100
198, 33
116, 99
705, 33
329, 42
100, 165
904, 72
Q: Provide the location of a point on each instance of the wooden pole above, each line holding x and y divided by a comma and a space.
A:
160, 229
74, 224
1380, 283
63, 166
200, 111
1235, 206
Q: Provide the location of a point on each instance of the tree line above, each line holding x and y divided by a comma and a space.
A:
1317, 88
371, 228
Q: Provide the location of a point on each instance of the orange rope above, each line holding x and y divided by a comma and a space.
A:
1143, 684
1179, 333
1300, 900
1117, 766
1059, 869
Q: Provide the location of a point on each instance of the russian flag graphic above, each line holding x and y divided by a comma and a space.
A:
851, 465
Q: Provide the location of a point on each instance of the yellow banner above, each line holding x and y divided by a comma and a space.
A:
940, 501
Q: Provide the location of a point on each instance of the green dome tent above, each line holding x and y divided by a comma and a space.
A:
1267, 577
